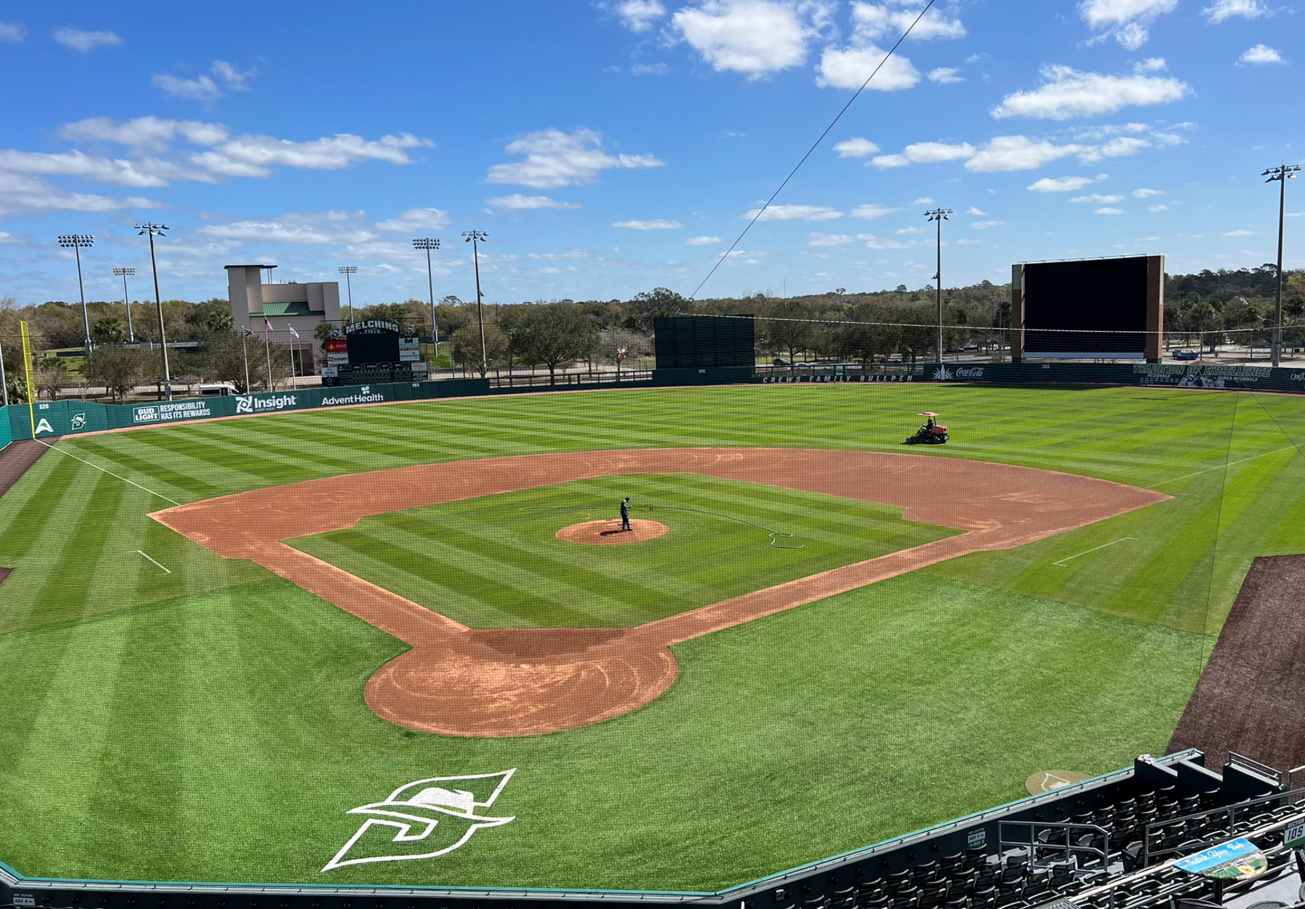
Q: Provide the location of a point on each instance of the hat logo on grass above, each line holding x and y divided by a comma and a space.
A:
423, 819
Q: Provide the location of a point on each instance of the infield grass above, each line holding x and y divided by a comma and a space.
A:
495, 562
208, 723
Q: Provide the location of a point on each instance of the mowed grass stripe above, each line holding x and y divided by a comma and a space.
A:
490, 590
42, 494
131, 457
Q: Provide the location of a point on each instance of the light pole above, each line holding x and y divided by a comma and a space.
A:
429, 243
475, 238
76, 242
124, 272
348, 270
152, 230
1280, 174
244, 355
939, 215
620, 355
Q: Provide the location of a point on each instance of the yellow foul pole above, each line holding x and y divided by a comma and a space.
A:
27, 377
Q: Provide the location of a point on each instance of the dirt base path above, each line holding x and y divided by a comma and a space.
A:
1251, 696
461, 681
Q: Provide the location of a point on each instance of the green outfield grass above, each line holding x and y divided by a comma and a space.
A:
204, 719
494, 562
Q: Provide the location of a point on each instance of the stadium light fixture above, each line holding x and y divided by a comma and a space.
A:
429, 243
125, 272
348, 270
78, 242
153, 230
475, 238
1280, 175
939, 215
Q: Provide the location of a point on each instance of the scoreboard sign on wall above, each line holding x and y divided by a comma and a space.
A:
1088, 309
372, 341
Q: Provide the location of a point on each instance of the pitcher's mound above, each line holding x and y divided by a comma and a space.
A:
609, 532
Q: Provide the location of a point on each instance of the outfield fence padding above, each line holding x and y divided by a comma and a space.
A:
6, 431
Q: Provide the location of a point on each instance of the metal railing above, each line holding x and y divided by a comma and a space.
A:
1034, 843
1244, 808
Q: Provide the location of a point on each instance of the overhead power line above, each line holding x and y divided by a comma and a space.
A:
814, 145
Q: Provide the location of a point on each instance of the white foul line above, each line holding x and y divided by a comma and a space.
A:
1226, 464
1092, 550
110, 473
165, 568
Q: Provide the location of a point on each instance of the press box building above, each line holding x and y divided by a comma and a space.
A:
284, 306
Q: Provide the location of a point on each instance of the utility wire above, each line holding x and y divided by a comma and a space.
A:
814, 145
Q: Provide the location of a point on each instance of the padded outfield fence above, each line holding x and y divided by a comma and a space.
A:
73, 416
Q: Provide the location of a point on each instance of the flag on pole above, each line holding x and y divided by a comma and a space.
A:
267, 324
293, 332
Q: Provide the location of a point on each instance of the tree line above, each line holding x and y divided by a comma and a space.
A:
556, 334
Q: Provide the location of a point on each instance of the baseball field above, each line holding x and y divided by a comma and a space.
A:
226, 647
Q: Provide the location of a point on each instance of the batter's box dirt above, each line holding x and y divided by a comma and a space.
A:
461, 681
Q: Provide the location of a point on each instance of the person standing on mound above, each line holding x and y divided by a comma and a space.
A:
625, 514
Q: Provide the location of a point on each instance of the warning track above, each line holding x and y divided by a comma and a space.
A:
509, 682
1249, 697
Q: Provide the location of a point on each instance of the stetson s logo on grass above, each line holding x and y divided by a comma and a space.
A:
424, 819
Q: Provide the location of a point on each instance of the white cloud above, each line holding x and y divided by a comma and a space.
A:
752, 37
1009, 153
254, 156
233, 78
1119, 147
881, 243
639, 15
946, 75
1109, 211
12, 33
1158, 208
553, 158
85, 41
890, 20
855, 148
819, 240
206, 86
201, 88
1222, 10
795, 213
1067, 93
1260, 54
416, 219
652, 224
1060, 184
848, 68
975, 212
145, 131
986, 225
870, 211
923, 200
704, 240
1240, 232
280, 231
77, 164
21, 193
520, 202
1151, 65
649, 69
1099, 199
1126, 20
907, 231
1147, 193
926, 153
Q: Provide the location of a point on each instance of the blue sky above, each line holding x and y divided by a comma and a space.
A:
610, 147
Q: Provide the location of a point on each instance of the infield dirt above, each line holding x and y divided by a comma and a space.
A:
510, 682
